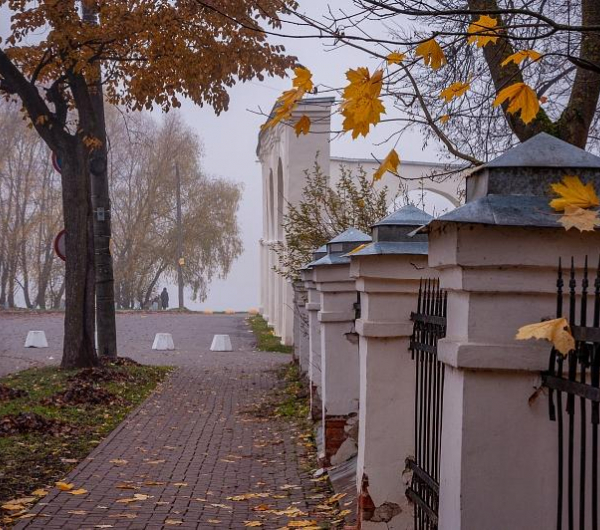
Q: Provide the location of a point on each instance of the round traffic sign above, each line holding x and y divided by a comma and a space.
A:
60, 245
56, 163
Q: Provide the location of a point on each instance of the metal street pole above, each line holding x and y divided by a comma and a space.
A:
180, 258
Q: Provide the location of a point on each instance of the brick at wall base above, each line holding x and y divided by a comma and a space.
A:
335, 435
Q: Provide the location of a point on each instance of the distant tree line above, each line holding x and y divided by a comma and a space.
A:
142, 156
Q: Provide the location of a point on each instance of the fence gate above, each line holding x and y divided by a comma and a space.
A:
574, 401
429, 326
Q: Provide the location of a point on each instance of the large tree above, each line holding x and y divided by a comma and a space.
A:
146, 54
143, 154
476, 75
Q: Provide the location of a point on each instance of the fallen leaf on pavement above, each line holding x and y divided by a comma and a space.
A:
302, 524
126, 486
64, 486
77, 512
136, 497
173, 522
118, 461
252, 523
180, 484
39, 492
79, 491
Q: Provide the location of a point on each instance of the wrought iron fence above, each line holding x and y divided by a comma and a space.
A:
571, 379
429, 326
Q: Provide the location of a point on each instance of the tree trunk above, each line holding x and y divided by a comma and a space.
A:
78, 348
105, 289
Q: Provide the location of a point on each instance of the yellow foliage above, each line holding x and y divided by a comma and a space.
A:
455, 90
64, 486
288, 101
556, 331
444, 118
520, 98
361, 104
483, 31
390, 163
303, 79
572, 192
583, 220
395, 58
302, 125
520, 56
432, 54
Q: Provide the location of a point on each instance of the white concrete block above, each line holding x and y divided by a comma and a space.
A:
36, 339
163, 341
221, 343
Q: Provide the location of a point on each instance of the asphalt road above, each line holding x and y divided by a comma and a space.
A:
192, 335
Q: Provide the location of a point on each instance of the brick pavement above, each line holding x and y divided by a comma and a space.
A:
200, 438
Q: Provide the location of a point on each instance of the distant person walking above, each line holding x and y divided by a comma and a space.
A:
164, 298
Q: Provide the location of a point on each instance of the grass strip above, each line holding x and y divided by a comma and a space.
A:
266, 340
51, 419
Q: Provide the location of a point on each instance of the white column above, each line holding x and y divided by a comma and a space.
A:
388, 287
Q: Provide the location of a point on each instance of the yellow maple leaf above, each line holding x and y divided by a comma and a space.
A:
572, 192
432, 54
483, 31
395, 58
361, 104
288, 101
455, 90
253, 523
520, 98
390, 163
444, 118
556, 331
303, 79
64, 486
302, 125
520, 56
40, 492
80, 491
583, 220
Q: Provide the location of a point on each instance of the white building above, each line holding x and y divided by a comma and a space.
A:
284, 158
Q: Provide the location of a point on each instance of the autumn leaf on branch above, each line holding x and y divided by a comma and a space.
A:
556, 331
395, 58
455, 90
444, 118
583, 220
483, 31
572, 192
390, 163
432, 54
361, 104
520, 97
303, 79
520, 56
288, 101
302, 125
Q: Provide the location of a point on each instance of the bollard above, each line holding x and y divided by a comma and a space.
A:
36, 339
221, 343
163, 341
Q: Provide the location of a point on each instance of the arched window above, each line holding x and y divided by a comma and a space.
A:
280, 201
270, 208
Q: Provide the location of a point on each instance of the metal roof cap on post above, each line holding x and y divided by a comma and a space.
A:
340, 245
391, 235
514, 189
528, 168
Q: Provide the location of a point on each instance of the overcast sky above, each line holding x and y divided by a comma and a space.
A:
230, 146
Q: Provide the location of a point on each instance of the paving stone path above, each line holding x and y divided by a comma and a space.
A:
192, 444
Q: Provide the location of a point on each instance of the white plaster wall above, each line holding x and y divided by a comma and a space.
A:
499, 451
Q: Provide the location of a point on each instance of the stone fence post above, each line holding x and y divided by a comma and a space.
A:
339, 347
387, 274
497, 257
